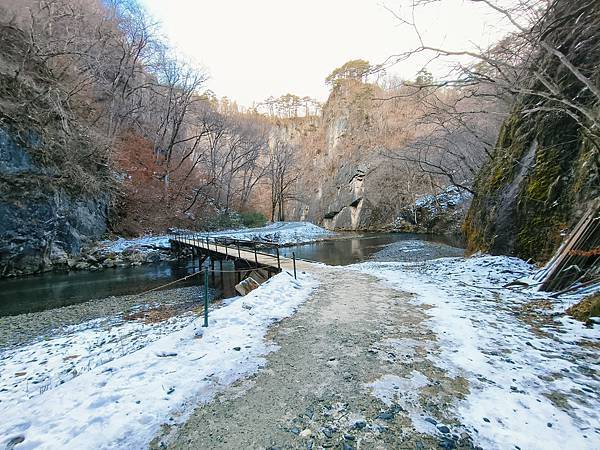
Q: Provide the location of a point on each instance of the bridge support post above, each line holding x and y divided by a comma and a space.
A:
278, 263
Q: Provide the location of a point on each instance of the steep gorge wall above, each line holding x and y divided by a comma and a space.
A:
42, 224
542, 178
53, 184
345, 183
545, 171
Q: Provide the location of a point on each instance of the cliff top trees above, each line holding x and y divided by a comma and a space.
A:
289, 106
356, 69
424, 78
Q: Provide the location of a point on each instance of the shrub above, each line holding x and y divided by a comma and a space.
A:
253, 219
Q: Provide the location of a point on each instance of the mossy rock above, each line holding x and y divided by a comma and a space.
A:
536, 186
545, 169
586, 309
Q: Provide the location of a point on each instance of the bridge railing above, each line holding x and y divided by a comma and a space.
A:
233, 245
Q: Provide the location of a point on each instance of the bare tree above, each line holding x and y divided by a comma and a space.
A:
248, 165
117, 103
178, 89
455, 132
282, 175
485, 82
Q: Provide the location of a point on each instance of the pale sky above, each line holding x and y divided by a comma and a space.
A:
253, 49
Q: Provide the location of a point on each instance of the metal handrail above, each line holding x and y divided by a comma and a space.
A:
226, 243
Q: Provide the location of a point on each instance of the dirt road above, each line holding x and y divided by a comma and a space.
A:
351, 372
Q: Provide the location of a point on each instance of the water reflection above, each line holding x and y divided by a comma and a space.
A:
339, 252
53, 290
56, 289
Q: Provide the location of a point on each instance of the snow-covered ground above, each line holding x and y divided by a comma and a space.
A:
283, 233
533, 379
450, 197
104, 385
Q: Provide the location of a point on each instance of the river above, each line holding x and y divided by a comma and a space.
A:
55, 289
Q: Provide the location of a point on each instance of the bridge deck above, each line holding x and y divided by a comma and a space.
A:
253, 257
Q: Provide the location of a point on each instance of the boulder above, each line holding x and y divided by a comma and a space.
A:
58, 256
247, 285
153, 256
82, 265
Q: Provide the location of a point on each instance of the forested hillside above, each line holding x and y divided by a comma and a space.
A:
100, 124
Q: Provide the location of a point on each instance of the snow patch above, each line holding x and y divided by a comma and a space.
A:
283, 233
121, 402
532, 383
394, 389
450, 197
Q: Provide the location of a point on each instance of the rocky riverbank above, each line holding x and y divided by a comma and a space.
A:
102, 312
122, 252
443, 213
416, 251
96, 260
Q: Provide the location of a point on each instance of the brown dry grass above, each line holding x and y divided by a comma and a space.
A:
154, 315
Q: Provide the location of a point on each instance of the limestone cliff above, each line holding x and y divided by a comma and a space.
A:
347, 183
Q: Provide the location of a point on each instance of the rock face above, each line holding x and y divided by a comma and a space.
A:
346, 209
347, 182
545, 171
443, 213
535, 188
54, 176
42, 225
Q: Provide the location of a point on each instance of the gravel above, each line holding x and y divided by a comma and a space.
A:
303, 387
416, 251
24, 328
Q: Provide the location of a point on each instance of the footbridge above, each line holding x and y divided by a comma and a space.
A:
245, 254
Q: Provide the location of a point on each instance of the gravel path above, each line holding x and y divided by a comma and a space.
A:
354, 337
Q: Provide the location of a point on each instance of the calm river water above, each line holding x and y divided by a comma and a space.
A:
56, 289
